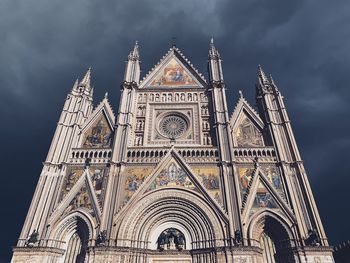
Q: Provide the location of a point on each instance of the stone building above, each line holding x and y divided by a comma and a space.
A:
173, 177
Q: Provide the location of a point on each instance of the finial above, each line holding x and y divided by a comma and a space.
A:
240, 94
106, 95
212, 41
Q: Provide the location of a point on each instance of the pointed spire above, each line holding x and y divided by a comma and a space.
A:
134, 54
214, 63
87, 78
272, 81
106, 95
75, 85
213, 52
262, 76
132, 71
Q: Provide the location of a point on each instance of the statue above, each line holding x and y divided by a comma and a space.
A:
102, 238
33, 239
87, 163
238, 237
313, 239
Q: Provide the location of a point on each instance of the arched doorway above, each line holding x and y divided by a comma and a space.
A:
77, 244
272, 235
172, 223
74, 233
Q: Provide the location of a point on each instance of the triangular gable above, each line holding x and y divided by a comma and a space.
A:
246, 126
173, 70
261, 194
171, 172
81, 196
172, 176
98, 129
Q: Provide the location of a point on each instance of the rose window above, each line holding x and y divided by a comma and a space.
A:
173, 126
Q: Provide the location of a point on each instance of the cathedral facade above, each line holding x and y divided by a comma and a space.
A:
172, 176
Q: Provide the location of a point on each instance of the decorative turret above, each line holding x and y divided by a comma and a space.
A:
214, 65
265, 84
132, 71
84, 86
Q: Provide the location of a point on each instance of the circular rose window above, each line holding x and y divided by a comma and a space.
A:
173, 126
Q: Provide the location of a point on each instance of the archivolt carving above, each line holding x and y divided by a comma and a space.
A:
179, 206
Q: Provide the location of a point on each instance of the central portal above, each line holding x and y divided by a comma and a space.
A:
171, 246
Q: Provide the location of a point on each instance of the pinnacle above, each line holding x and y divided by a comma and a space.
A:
262, 75
134, 54
87, 78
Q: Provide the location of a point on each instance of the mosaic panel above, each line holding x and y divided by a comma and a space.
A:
272, 174
247, 134
173, 74
263, 198
245, 176
81, 199
210, 179
97, 178
99, 135
173, 175
135, 176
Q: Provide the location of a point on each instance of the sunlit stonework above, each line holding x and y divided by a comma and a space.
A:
173, 178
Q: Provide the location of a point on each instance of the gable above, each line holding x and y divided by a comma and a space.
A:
98, 134
247, 134
172, 172
172, 176
260, 191
81, 189
173, 74
173, 71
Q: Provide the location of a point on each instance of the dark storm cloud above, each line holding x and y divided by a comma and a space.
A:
45, 45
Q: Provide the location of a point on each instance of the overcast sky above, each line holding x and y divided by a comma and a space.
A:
46, 45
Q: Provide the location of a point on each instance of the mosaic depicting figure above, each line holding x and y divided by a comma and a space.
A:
245, 175
274, 178
81, 199
100, 135
97, 182
173, 75
248, 135
134, 178
71, 178
263, 198
172, 176
209, 177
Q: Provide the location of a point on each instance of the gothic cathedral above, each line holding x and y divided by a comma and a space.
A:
172, 177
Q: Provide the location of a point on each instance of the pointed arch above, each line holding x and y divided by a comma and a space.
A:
272, 232
179, 208
74, 233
